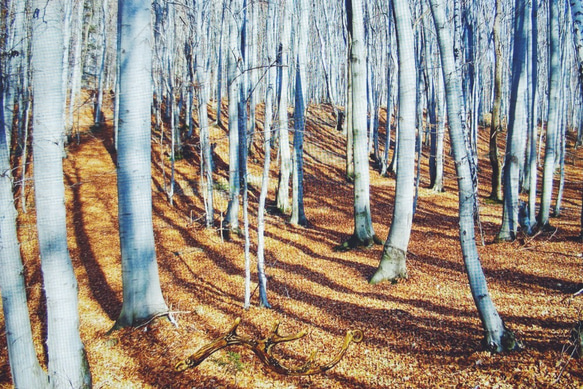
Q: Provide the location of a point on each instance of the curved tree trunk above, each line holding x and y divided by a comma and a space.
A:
393, 260
497, 337
142, 295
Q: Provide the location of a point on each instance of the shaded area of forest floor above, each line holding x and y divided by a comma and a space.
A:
420, 332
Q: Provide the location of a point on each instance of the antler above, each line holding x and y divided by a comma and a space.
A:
263, 349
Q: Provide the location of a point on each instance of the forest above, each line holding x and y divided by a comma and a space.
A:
291, 193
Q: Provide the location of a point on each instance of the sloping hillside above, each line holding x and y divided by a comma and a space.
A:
420, 332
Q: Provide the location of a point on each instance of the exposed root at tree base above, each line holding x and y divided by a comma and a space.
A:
355, 242
392, 266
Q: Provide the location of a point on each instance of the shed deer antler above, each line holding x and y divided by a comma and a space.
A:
263, 349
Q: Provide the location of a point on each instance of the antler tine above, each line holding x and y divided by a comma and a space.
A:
274, 337
228, 338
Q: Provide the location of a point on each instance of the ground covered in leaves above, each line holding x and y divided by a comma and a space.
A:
420, 332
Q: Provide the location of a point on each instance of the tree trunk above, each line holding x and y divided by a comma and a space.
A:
553, 120
495, 125
67, 365
232, 215
298, 216
393, 261
497, 337
517, 123
142, 295
363, 229
577, 15
24, 365
283, 201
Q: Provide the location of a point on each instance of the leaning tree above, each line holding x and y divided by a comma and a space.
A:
497, 337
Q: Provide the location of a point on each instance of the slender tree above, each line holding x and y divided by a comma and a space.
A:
577, 17
24, 365
233, 61
495, 122
393, 261
67, 365
363, 229
142, 295
285, 166
298, 216
497, 337
553, 115
517, 123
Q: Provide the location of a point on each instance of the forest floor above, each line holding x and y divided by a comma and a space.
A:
420, 332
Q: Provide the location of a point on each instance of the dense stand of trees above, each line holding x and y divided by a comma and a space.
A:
165, 59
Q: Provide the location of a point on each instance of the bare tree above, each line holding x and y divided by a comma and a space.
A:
142, 294
393, 261
498, 338
67, 359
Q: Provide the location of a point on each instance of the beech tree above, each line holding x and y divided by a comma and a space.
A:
67, 365
142, 295
393, 260
553, 115
233, 79
577, 15
283, 200
364, 234
298, 216
517, 123
497, 337
24, 365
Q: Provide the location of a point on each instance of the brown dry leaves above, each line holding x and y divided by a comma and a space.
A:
421, 332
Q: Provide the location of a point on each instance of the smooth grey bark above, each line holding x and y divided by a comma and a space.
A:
67, 365
577, 17
98, 114
24, 366
553, 116
517, 123
497, 337
393, 260
267, 130
206, 164
363, 234
298, 216
231, 221
285, 165
142, 294
532, 119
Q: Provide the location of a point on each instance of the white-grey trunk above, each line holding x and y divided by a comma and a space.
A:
24, 366
233, 62
67, 366
497, 337
142, 295
517, 123
363, 228
283, 201
298, 216
553, 115
393, 261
